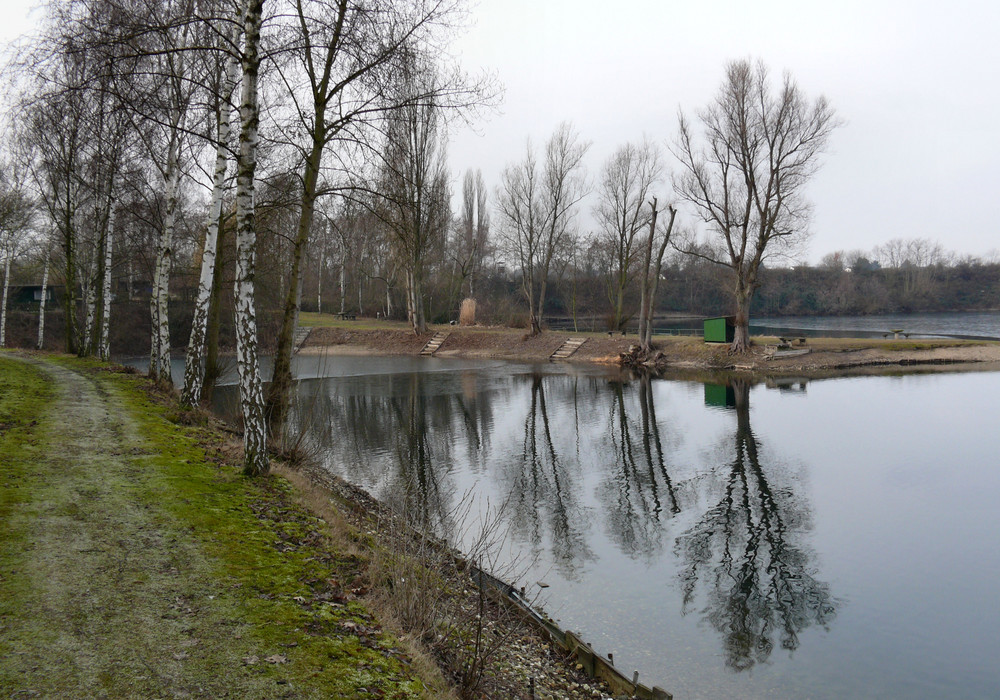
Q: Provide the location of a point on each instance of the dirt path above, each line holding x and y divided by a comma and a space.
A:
104, 592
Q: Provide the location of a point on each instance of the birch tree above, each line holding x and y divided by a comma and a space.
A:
226, 75
746, 172
255, 459
16, 210
173, 85
44, 299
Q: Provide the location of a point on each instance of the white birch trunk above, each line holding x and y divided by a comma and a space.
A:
3, 304
90, 299
160, 332
255, 460
343, 281
319, 280
194, 366
160, 354
104, 346
41, 305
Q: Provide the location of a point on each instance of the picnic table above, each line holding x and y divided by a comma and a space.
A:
896, 332
787, 342
347, 316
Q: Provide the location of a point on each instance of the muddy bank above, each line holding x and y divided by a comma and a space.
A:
816, 356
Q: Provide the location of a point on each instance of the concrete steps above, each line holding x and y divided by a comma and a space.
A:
301, 333
434, 343
567, 348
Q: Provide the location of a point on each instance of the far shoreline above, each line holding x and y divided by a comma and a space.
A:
675, 354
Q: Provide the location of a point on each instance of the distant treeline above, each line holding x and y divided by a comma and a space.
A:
863, 287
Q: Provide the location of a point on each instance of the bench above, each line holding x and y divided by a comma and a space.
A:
347, 316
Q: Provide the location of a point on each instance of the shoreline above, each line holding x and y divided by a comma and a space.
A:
816, 357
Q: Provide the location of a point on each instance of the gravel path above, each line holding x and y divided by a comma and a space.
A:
118, 602
106, 593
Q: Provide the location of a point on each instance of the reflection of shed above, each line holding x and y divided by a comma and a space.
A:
720, 395
720, 329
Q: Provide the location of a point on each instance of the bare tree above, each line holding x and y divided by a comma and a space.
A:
626, 183
473, 228
414, 201
746, 173
345, 57
652, 265
536, 207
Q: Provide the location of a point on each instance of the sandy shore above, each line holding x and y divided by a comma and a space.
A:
818, 356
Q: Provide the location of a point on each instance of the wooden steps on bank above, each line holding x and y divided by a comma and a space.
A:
567, 348
434, 343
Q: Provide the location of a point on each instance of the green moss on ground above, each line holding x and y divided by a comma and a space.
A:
137, 561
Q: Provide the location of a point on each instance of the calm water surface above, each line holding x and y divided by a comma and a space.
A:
832, 538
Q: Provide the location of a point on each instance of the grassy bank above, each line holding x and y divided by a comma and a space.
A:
137, 562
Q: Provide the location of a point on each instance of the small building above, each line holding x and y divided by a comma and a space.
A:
31, 294
721, 329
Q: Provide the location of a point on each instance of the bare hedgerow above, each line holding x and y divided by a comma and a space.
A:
429, 588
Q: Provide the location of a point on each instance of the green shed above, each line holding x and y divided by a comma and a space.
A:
720, 330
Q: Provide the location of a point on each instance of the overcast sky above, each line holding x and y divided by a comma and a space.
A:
916, 83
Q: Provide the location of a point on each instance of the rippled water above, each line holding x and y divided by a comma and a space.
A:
832, 538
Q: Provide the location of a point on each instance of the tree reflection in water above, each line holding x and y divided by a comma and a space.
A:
399, 433
758, 582
742, 563
638, 487
542, 493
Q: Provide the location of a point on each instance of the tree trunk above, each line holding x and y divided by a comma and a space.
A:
104, 338
255, 460
159, 368
653, 286
212, 368
41, 305
536, 320
3, 303
90, 297
319, 279
280, 389
69, 249
193, 375
645, 303
741, 334
415, 301
343, 281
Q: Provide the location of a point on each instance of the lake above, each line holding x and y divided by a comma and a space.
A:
833, 538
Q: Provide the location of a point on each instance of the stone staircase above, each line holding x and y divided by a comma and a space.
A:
434, 343
301, 333
566, 349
